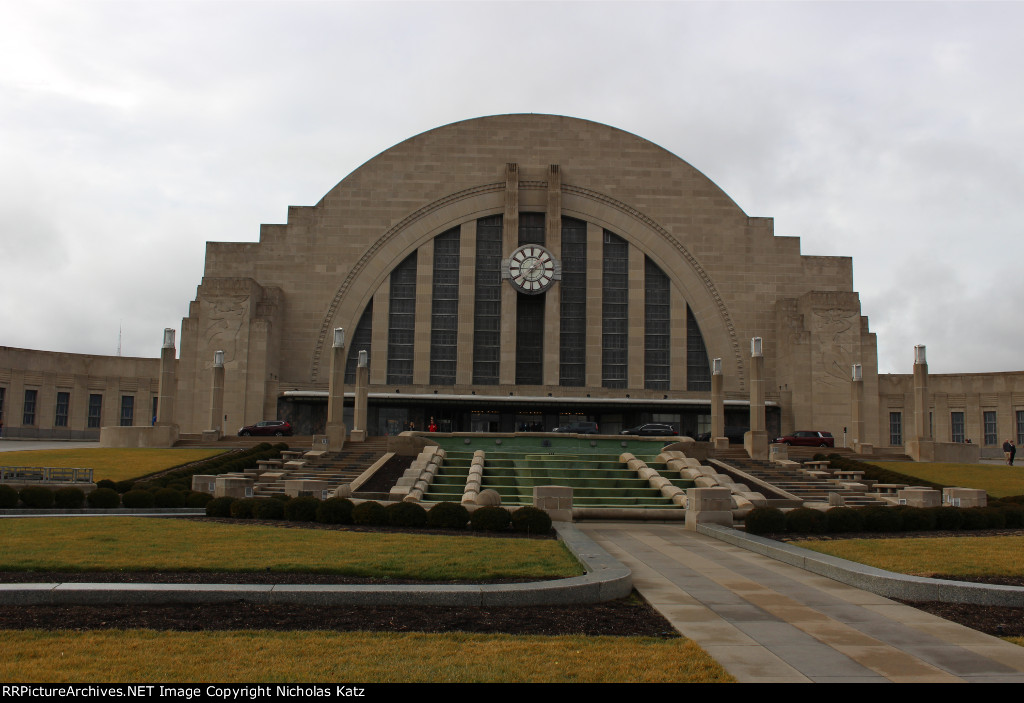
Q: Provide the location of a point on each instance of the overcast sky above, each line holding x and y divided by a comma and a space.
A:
133, 132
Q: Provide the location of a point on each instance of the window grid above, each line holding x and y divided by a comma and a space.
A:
573, 336
3, 391
1020, 423
530, 339
896, 429
61, 416
127, 410
95, 410
615, 312
657, 325
698, 368
444, 325
402, 322
360, 340
991, 432
956, 425
29, 415
532, 228
487, 305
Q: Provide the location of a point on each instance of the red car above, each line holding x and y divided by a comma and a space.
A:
808, 438
278, 428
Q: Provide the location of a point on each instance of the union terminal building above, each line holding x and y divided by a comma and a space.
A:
517, 272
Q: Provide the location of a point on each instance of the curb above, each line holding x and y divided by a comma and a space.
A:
878, 581
606, 579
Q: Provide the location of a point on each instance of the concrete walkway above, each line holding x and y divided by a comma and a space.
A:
766, 621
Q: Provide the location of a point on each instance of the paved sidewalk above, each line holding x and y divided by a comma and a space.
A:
766, 621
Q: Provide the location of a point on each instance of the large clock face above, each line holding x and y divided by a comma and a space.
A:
531, 268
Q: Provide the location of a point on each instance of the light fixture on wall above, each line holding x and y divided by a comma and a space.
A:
858, 372
339, 337
755, 346
168, 338
218, 359
919, 355
716, 367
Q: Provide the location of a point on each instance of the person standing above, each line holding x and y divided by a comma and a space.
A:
1008, 451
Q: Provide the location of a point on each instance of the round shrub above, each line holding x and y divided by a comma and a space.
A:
451, 516
151, 486
1013, 515
369, 512
983, 519
169, 498
406, 515
8, 497
178, 486
882, 519
69, 498
219, 507
948, 518
36, 497
103, 498
197, 499
805, 521
138, 499
124, 486
531, 520
765, 521
335, 511
301, 509
268, 509
283, 497
843, 519
490, 518
916, 519
241, 508
106, 483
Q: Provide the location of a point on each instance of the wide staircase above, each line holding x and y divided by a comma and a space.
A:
598, 480
337, 468
793, 480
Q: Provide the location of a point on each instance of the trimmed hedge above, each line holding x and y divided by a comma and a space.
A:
335, 511
103, 498
450, 516
301, 509
8, 496
843, 519
169, 498
805, 521
490, 518
531, 520
69, 498
219, 507
138, 499
369, 513
36, 497
765, 521
406, 514
268, 509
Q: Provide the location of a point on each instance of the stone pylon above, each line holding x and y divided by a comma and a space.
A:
165, 392
336, 430
217, 396
718, 437
755, 441
359, 414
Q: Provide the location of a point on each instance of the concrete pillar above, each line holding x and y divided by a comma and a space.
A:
756, 440
718, 405
359, 414
920, 446
217, 394
509, 296
336, 429
857, 406
165, 391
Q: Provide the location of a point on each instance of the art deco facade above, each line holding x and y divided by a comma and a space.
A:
522, 271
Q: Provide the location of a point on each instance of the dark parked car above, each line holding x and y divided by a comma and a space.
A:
278, 428
808, 438
578, 428
652, 429
734, 433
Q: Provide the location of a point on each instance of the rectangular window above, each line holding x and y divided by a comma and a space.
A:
402, 321
360, 342
1020, 421
573, 339
896, 429
444, 315
95, 410
156, 404
657, 323
487, 301
615, 311
63, 401
991, 433
2, 393
956, 424
29, 415
127, 410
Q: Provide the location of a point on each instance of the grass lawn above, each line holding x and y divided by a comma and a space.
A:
960, 556
998, 481
153, 544
266, 656
113, 464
